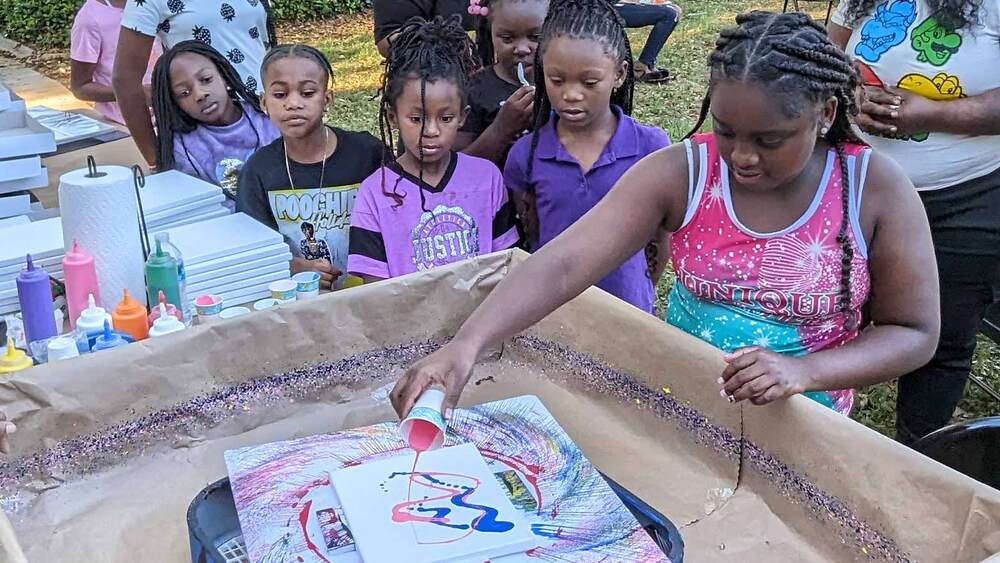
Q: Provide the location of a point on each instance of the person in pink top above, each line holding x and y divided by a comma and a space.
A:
431, 206
93, 41
784, 227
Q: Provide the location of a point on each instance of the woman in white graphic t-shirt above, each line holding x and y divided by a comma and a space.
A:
931, 101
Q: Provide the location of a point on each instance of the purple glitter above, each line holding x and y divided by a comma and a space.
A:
94, 452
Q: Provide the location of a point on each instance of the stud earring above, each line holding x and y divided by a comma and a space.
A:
824, 130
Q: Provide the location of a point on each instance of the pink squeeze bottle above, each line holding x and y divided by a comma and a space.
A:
81, 281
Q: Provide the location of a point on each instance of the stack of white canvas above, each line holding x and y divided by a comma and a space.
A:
43, 241
22, 140
233, 256
172, 199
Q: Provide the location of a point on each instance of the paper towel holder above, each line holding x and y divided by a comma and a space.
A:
92, 171
139, 181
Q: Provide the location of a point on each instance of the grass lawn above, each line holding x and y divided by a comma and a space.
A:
674, 107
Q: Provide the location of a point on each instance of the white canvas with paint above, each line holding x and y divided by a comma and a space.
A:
449, 508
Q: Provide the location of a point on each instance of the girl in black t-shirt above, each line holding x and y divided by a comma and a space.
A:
502, 96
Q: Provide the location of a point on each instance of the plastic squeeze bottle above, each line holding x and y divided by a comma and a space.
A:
35, 297
130, 317
108, 340
185, 305
91, 319
165, 323
161, 275
171, 310
14, 359
81, 281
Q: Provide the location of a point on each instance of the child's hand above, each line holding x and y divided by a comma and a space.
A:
515, 114
6, 429
327, 273
762, 376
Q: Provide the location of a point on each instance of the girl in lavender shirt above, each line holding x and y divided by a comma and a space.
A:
209, 123
431, 206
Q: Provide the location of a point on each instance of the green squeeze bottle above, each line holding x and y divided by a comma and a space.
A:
161, 275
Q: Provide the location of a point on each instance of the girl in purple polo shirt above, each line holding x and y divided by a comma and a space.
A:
208, 122
431, 206
584, 139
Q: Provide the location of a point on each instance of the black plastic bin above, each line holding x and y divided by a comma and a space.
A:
214, 527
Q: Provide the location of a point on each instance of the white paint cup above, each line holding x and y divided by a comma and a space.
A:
265, 304
234, 312
62, 348
283, 290
424, 428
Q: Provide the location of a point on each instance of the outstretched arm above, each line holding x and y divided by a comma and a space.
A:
651, 190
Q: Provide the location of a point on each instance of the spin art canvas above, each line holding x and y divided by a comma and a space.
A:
444, 505
289, 511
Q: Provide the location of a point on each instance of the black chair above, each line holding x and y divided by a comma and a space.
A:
972, 448
795, 4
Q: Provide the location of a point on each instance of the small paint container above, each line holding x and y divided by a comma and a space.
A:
234, 312
283, 290
306, 284
424, 428
265, 304
208, 305
62, 348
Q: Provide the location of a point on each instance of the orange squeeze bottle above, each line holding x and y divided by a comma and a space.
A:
130, 317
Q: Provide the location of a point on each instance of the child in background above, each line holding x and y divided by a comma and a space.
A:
784, 227
431, 206
304, 183
92, 45
570, 162
500, 106
208, 123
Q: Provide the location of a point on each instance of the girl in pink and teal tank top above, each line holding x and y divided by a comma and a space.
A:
783, 227
738, 288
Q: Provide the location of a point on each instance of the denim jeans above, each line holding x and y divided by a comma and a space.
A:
662, 17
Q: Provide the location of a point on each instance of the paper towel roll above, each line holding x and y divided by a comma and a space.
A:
102, 215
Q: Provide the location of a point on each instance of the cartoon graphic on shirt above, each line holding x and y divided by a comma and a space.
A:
934, 42
942, 87
886, 29
315, 222
227, 173
311, 247
444, 235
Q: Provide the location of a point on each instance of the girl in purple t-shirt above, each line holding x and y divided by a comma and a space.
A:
208, 122
431, 206
584, 139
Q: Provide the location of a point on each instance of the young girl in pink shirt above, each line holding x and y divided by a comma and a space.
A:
93, 41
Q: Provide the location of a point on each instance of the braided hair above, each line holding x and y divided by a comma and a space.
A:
581, 19
297, 51
953, 14
170, 118
428, 51
793, 57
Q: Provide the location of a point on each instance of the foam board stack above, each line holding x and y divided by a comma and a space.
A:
171, 199
43, 240
233, 256
22, 140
